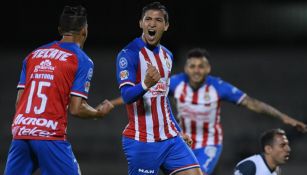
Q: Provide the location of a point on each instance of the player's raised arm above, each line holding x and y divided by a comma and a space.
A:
263, 108
131, 93
80, 108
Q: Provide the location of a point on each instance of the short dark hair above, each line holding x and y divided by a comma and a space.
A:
267, 137
73, 19
155, 6
197, 53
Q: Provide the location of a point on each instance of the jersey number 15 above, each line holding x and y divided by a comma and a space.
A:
43, 97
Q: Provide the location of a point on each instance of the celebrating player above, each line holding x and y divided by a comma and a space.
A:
275, 151
151, 140
199, 95
54, 77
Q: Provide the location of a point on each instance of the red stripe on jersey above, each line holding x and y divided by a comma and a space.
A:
166, 131
205, 133
184, 93
141, 120
164, 54
216, 134
193, 133
195, 97
207, 94
183, 125
130, 130
155, 119
146, 57
161, 70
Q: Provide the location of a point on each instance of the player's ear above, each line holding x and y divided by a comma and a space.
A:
166, 27
141, 24
208, 69
267, 149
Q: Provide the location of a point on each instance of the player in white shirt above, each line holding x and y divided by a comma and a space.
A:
275, 151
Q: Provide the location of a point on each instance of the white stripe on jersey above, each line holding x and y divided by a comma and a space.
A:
136, 122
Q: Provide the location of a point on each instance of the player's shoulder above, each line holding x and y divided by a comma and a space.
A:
245, 167
167, 51
81, 56
131, 49
179, 77
214, 80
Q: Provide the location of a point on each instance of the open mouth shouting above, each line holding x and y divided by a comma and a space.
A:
151, 34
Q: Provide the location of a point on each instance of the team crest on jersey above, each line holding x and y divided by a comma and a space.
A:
45, 65
123, 63
123, 75
90, 74
87, 86
168, 64
207, 97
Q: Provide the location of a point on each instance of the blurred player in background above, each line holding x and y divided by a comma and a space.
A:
275, 151
54, 78
198, 97
151, 139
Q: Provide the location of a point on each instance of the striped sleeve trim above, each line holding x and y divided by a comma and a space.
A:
125, 83
184, 168
20, 86
79, 94
241, 98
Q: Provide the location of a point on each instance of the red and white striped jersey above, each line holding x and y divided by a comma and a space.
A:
199, 110
150, 118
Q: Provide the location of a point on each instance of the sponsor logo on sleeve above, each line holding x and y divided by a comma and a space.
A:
123, 75
87, 86
123, 63
90, 74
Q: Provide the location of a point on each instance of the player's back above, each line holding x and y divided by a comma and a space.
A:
49, 75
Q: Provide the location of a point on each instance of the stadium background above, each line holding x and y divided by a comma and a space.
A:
259, 46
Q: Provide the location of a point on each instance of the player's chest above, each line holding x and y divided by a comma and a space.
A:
205, 96
160, 60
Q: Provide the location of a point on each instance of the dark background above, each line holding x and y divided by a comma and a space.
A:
259, 46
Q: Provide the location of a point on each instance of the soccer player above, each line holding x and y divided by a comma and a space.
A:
151, 139
54, 78
198, 96
275, 151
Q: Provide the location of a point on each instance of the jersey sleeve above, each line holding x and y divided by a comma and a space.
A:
245, 168
229, 92
126, 68
22, 79
82, 81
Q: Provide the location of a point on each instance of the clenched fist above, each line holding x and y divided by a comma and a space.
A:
152, 76
104, 108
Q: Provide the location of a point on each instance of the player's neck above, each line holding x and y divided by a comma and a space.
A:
195, 85
71, 39
270, 162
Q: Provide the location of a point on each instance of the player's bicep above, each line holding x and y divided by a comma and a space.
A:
246, 168
230, 93
19, 94
126, 68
